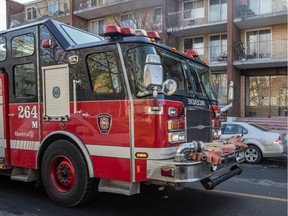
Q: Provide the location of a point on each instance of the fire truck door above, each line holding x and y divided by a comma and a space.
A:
1, 122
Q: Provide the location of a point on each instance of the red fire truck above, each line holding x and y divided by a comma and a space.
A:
82, 114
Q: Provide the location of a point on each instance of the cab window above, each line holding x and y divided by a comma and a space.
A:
103, 73
23, 45
2, 48
24, 80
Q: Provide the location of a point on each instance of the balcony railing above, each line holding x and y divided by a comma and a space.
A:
82, 5
198, 16
39, 14
246, 8
270, 49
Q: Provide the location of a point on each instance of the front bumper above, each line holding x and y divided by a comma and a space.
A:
192, 171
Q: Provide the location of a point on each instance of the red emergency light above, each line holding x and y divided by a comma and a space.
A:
153, 34
191, 53
46, 43
112, 31
127, 31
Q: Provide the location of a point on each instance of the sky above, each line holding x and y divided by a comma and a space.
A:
3, 11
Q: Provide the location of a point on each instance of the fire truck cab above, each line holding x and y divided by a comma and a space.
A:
82, 114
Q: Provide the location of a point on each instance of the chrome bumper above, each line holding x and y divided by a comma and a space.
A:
192, 171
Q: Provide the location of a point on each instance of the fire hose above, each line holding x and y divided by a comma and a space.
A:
210, 152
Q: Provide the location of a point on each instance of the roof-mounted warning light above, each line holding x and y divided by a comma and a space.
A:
127, 31
153, 34
112, 31
140, 32
192, 54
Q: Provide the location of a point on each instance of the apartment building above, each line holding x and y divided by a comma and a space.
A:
242, 40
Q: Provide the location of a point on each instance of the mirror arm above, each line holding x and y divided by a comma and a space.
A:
155, 95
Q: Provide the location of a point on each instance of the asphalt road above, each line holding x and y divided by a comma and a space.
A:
260, 190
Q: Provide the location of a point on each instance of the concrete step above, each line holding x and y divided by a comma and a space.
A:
273, 123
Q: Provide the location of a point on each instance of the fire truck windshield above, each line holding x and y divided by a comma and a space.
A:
78, 36
191, 77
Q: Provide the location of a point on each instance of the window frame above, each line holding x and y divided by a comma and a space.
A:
194, 8
4, 44
155, 15
258, 42
196, 49
55, 6
97, 32
92, 80
34, 47
14, 81
221, 46
32, 13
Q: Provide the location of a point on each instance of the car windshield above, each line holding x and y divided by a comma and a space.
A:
175, 67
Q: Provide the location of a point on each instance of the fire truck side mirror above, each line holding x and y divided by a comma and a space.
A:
231, 91
153, 72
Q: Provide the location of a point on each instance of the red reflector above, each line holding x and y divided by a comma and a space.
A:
153, 34
127, 31
168, 171
278, 139
46, 43
112, 30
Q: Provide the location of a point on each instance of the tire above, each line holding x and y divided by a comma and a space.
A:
253, 154
65, 175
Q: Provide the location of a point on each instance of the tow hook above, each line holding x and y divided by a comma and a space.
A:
209, 183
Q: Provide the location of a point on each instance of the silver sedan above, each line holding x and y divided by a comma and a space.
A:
261, 142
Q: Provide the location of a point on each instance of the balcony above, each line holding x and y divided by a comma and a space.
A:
196, 22
265, 55
259, 13
95, 9
60, 13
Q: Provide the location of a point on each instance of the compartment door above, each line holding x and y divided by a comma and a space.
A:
56, 93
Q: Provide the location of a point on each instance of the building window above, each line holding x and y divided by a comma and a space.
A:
103, 72
196, 44
24, 80
23, 45
218, 46
157, 16
98, 26
218, 10
97, 2
258, 44
260, 6
128, 20
53, 7
3, 52
31, 13
220, 83
193, 9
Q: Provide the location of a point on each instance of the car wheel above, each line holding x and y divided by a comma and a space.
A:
65, 175
253, 154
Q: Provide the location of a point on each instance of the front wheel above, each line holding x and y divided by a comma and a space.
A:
253, 154
65, 175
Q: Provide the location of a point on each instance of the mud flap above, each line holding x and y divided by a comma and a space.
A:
210, 183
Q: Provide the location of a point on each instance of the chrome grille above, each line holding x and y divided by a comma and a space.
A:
198, 124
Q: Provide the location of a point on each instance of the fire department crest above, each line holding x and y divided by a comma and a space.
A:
104, 122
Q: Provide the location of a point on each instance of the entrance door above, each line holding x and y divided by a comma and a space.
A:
267, 96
